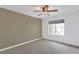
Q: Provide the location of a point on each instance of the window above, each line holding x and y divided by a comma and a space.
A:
56, 27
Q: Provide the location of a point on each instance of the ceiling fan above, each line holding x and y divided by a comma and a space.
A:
45, 9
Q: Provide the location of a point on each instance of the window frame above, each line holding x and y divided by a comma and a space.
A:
55, 23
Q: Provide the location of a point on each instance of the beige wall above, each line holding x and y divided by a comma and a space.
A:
17, 28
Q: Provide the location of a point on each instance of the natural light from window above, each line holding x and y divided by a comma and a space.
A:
56, 29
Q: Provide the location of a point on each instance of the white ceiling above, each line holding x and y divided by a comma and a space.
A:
28, 9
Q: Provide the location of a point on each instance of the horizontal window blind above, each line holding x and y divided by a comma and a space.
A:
56, 21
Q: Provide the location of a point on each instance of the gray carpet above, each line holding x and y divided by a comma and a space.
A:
42, 47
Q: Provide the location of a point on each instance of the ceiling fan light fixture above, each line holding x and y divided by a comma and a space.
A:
44, 10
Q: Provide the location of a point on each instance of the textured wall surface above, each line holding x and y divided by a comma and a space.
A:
17, 28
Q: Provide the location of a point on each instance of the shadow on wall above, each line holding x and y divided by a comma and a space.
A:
17, 28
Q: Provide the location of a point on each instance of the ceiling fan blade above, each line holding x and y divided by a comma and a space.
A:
40, 14
37, 11
52, 10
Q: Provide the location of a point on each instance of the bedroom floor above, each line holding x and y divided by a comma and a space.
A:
42, 47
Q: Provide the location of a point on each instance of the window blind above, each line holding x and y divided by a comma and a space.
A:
56, 21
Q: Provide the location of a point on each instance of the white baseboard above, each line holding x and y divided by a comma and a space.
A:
19, 44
